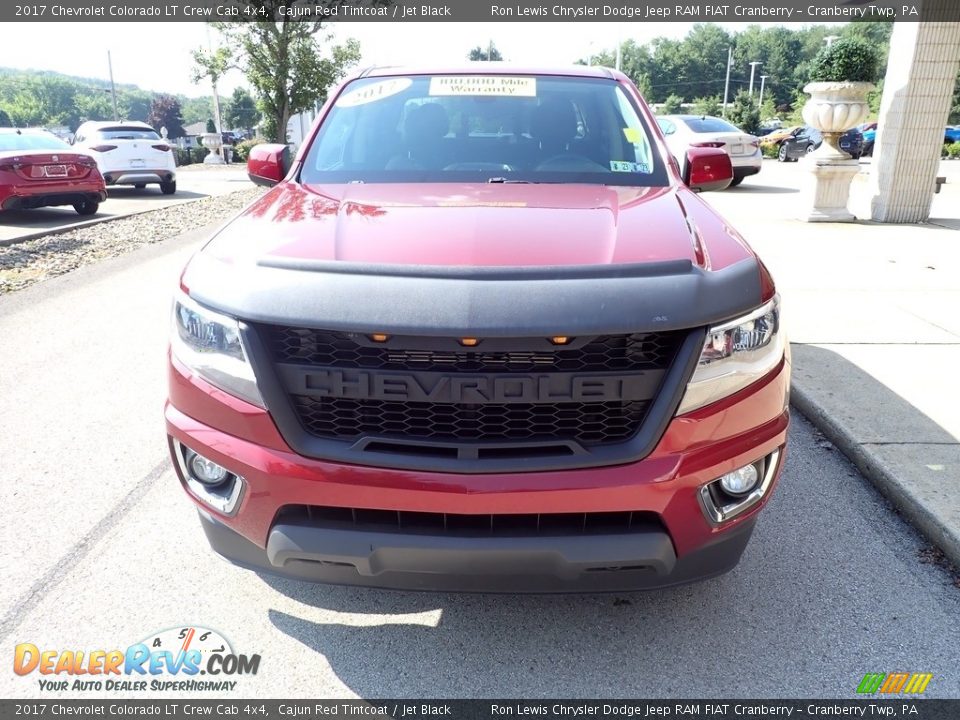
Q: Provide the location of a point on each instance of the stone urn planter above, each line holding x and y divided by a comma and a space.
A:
834, 108
213, 142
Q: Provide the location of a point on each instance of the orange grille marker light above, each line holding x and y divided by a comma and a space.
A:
560, 340
469, 342
379, 337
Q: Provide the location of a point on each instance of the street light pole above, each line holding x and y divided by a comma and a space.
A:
763, 81
753, 69
726, 85
113, 89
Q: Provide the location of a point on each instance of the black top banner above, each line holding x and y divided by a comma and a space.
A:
547, 709
780, 11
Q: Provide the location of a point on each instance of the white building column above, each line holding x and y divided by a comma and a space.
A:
917, 91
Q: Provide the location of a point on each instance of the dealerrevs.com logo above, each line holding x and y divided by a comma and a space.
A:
169, 660
899, 683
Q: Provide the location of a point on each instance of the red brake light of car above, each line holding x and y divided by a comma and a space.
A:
85, 161
715, 144
754, 144
103, 148
161, 148
9, 164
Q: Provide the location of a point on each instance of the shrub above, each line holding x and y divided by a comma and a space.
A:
770, 150
744, 113
953, 150
211, 128
241, 152
671, 106
847, 59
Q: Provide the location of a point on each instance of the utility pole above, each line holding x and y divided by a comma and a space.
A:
619, 53
753, 69
763, 80
216, 103
726, 85
113, 89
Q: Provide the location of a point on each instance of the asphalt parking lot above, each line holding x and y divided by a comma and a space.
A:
103, 550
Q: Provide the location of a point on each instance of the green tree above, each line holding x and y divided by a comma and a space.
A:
5, 120
211, 126
484, 54
671, 106
707, 105
242, 110
744, 113
282, 60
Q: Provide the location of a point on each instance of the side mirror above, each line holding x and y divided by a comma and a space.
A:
708, 169
268, 164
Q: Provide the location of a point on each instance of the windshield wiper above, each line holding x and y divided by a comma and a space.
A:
504, 181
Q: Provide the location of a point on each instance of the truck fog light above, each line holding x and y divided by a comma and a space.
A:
205, 470
740, 482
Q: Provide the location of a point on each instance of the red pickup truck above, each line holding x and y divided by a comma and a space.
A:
480, 335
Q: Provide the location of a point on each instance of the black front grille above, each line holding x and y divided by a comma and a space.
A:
587, 423
639, 351
489, 525
463, 420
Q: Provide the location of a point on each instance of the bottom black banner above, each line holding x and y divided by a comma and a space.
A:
485, 709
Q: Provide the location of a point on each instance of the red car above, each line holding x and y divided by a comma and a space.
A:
480, 335
38, 169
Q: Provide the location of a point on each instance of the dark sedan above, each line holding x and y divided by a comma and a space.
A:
808, 139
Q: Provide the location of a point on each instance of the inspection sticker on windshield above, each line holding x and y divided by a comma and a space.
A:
484, 85
373, 92
625, 166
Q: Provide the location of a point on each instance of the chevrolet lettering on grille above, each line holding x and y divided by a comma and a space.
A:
436, 387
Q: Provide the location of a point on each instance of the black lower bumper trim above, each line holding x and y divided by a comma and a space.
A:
32, 202
585, 563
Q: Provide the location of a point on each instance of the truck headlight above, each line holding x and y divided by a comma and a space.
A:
210, 345
735, 355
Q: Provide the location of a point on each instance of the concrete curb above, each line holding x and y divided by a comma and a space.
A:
914, 508
75, 226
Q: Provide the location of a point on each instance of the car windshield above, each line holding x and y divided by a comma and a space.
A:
31, 141
484, 128
126, 133
708, 124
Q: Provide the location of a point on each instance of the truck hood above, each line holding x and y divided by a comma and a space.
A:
494, 260
460, 225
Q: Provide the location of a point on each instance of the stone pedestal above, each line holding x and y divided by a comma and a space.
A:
213, 142
917, 92
827, 189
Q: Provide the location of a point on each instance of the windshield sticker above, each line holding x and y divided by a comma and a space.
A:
484, 85
372, 93
625, 166
632, 135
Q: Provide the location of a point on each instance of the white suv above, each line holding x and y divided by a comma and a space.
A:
129, 153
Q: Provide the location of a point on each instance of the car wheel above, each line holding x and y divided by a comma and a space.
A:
782, 154
736, 181
168, 188
140, 186
86, 207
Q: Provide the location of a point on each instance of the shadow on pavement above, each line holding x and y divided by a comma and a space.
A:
761, 189
151, 194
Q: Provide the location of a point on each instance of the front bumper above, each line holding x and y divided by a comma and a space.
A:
681, 546
596, 563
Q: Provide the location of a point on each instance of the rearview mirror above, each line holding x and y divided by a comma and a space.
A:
708, 168
268, 163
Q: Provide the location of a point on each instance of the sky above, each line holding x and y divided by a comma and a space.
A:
156, 56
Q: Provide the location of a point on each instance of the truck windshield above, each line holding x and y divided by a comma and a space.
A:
484, 128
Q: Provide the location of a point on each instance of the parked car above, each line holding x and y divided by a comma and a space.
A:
685, 131
869, 132
514, 352
809, 139
951, 134
38, 169
129, 153
776, 137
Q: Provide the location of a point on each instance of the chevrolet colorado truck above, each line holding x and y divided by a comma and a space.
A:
480, 335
